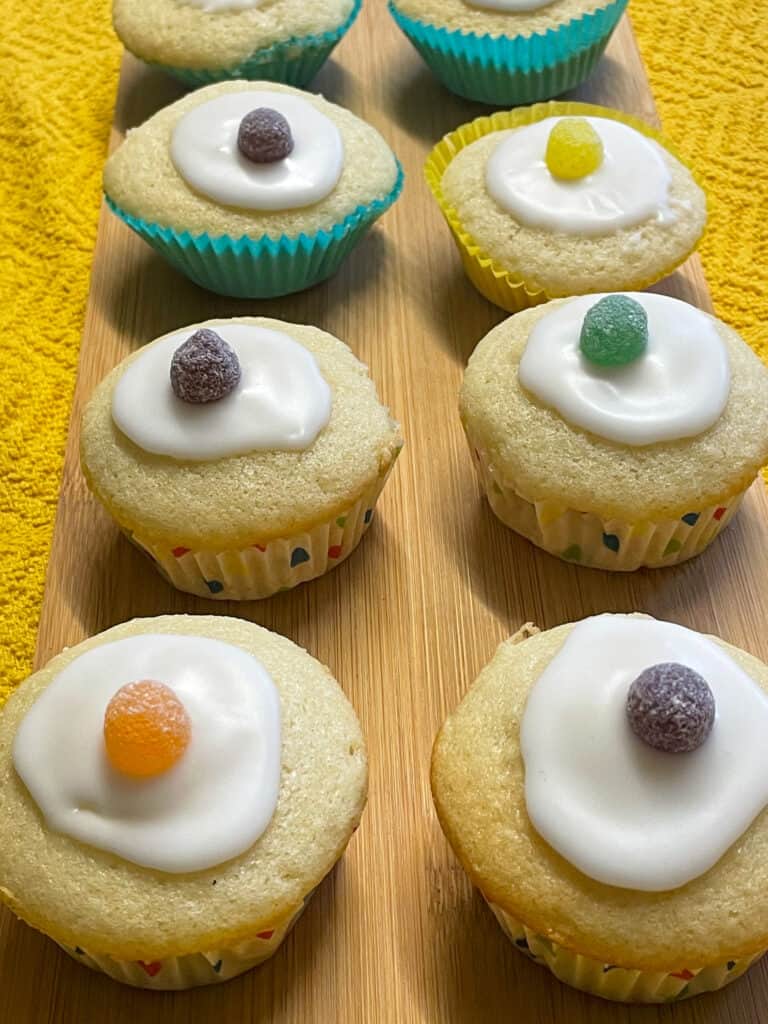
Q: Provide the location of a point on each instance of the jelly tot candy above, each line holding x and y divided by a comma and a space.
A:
574, 149
614, 331
671, 708
146, 729
264, 136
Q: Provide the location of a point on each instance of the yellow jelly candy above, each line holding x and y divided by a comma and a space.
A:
146, 729
574, 149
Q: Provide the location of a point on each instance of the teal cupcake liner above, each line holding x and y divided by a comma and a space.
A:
510, 71
264, 268
294, 61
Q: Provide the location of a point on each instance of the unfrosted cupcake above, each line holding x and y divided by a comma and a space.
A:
604, 786
203, 41
244, 456
507, 52
617, 431
564, 199
176, 788
252, 189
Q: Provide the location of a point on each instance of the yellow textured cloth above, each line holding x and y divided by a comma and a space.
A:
58, 74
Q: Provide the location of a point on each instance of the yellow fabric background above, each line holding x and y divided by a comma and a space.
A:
58, 74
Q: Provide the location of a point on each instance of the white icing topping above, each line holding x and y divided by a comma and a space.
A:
630, 186
204, 151
618, 810
211, 806
677, 389
282, 401
222, 5
509, 5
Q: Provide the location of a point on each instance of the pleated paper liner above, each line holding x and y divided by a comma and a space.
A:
505, 288
610, 981
194, 969
510, 70
263, 268
294, 61
263, 569
586, 539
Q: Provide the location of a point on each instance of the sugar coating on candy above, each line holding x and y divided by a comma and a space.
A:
574, 149
671, 708
146, 729
614, 331
265, 136
205, 368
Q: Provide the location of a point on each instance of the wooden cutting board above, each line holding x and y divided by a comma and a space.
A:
396, 933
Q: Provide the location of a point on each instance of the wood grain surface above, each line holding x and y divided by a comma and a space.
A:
396, 933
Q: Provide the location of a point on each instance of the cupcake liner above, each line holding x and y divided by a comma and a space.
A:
264, 268
265, 568
502, 287
621, 984
510, 70
294, 61
194, 969
586, 539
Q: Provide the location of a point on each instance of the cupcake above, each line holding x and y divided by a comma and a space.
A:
175, 796
204, 41
604, 786
252, 189
564, 199
243, 456
618, 431
508, 52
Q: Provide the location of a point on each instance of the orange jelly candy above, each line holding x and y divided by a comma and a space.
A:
146, 729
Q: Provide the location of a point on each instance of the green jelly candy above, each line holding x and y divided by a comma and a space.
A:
614, 332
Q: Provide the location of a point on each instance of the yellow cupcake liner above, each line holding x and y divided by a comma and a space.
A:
264, 568
621, 984
502, 287
194, 969
586, 539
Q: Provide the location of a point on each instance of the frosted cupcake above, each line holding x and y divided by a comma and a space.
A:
618, 431
564, 199
252, 189
174, 797
604, 786
244, 456
203, 41
508, 52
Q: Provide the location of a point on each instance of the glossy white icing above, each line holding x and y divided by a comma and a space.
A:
630, 186
509, 5
618, 810
282, 401
204, 151
677, 389
222, 5
211, 806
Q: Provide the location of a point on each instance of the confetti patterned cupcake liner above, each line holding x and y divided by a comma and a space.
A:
507, 70
586, 539
500, 286
265, 568
620, 984
294, 61
195, 969
264, 268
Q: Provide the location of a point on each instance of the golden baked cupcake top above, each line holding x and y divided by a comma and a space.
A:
171, 789
297, 435
219, 33
685, 419
190, 167
499, 17
575, 204
602, 782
